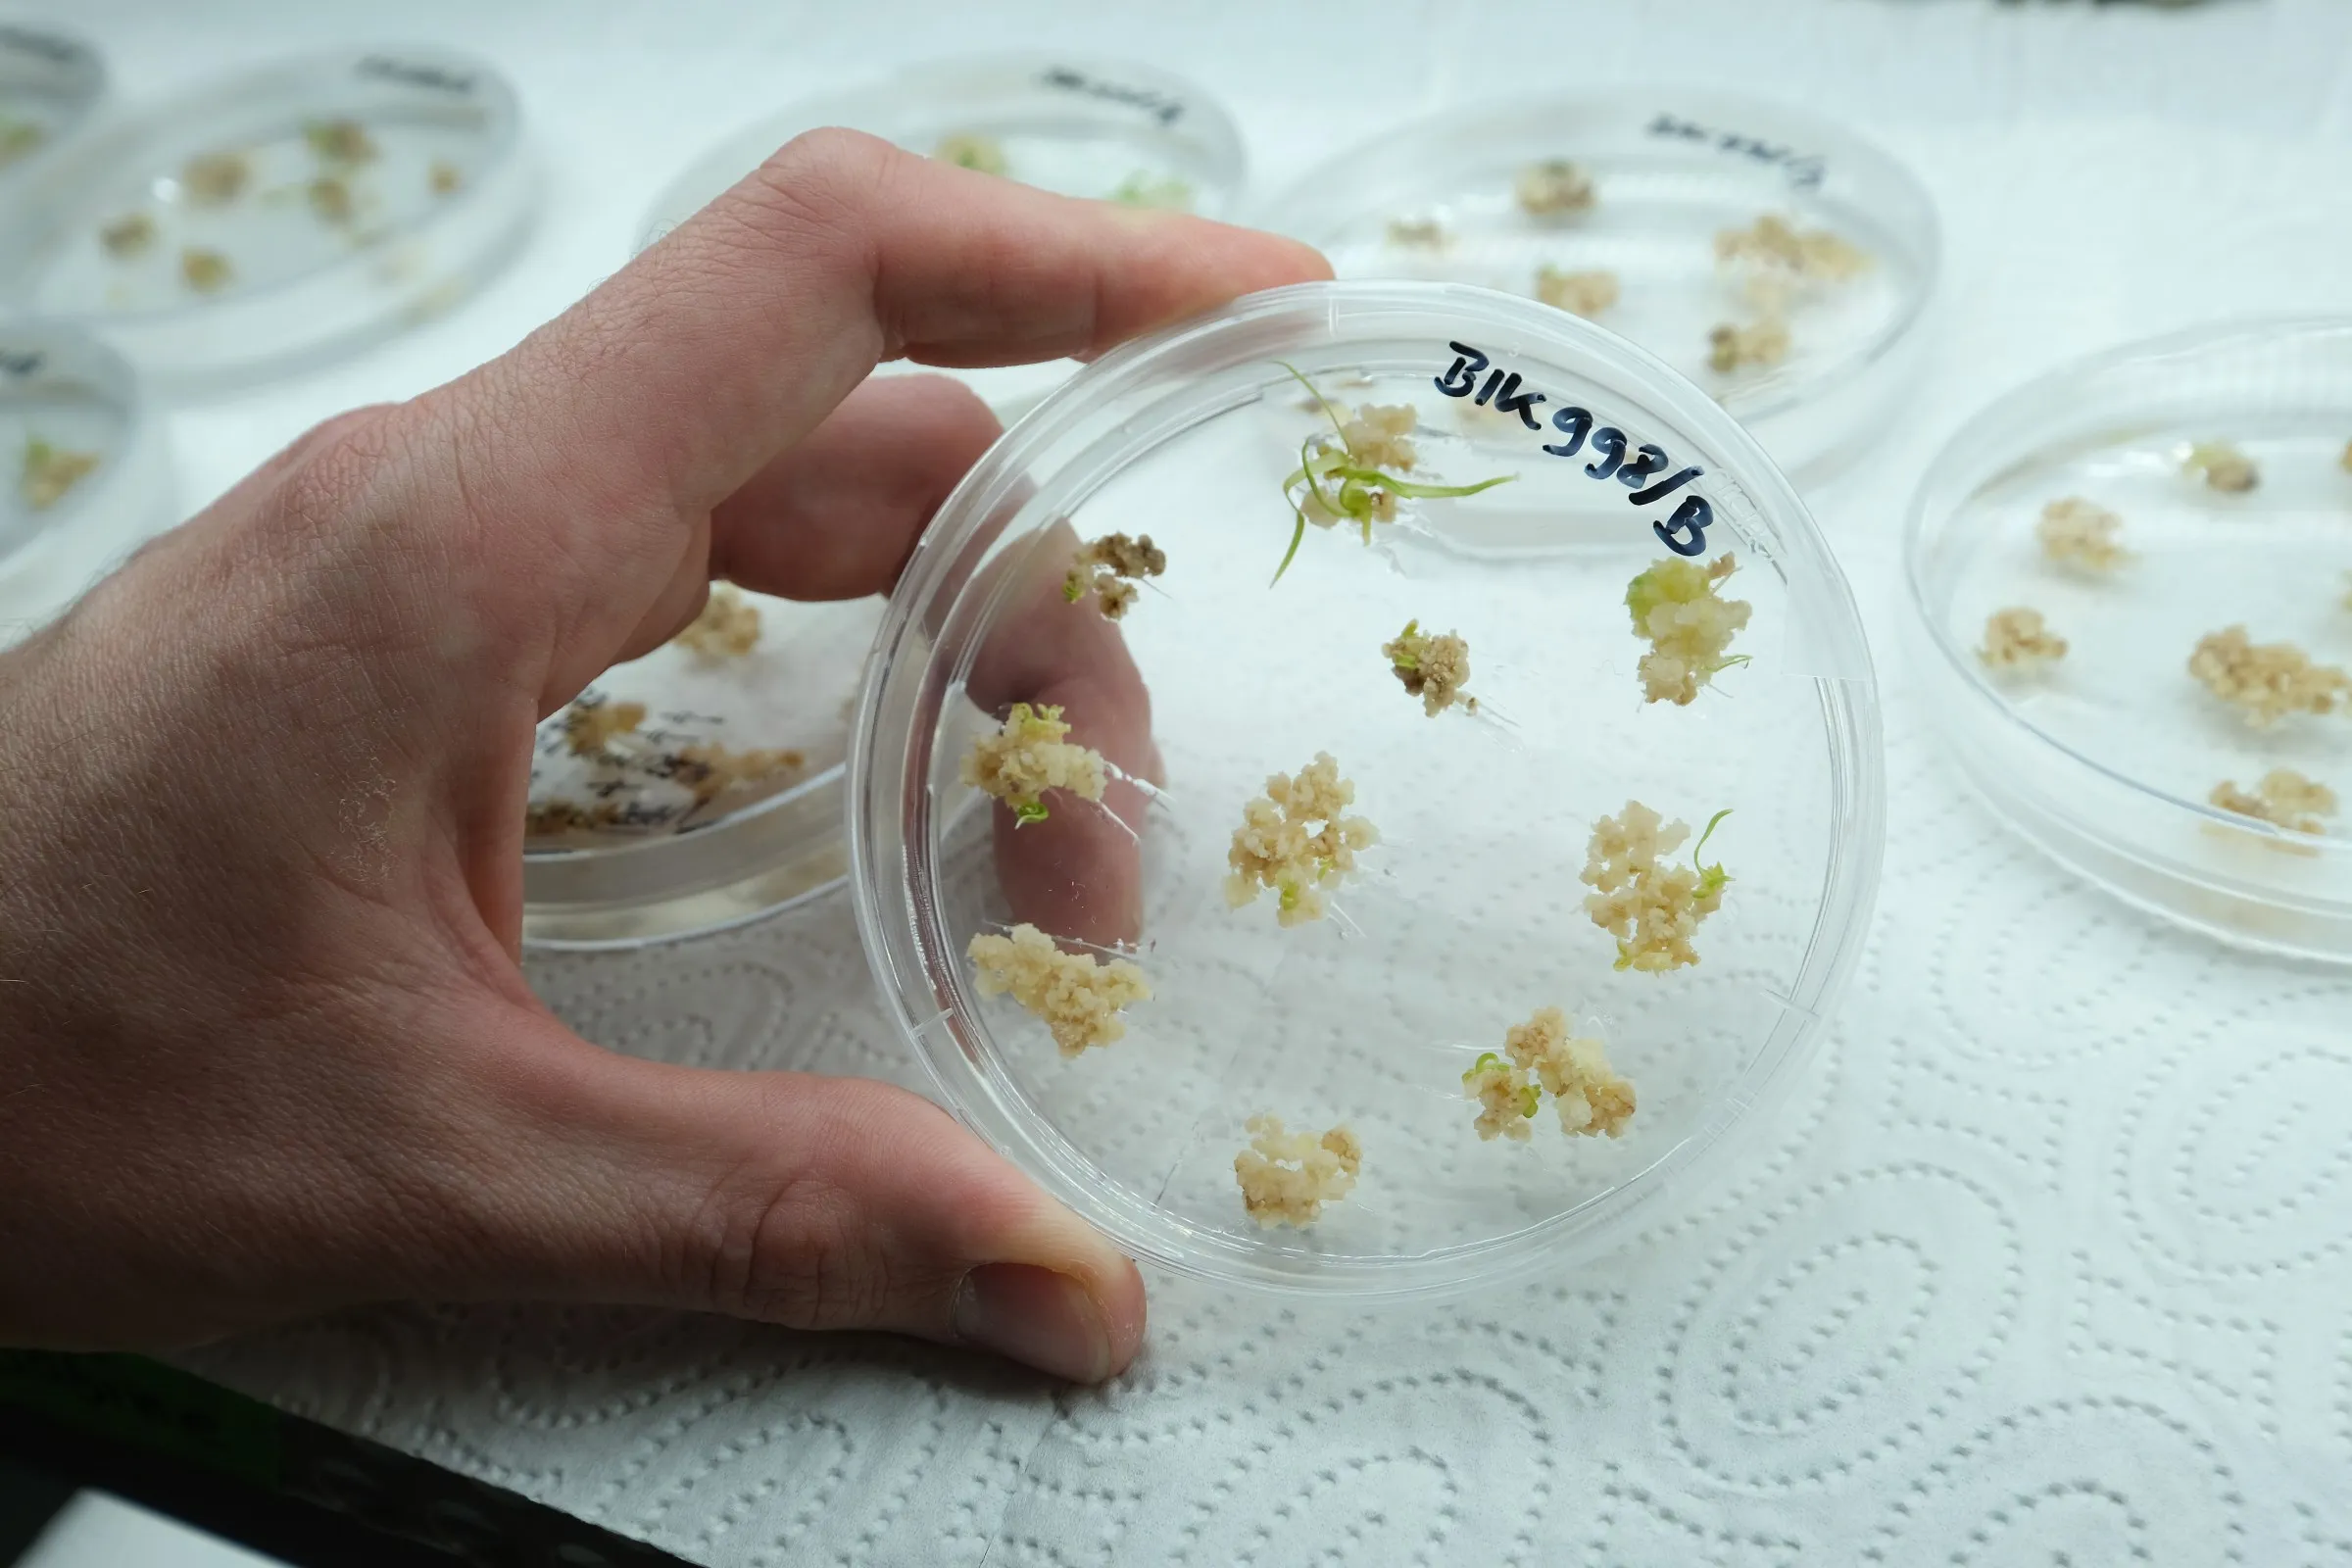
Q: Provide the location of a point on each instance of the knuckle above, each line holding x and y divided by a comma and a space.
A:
817, 192
828, 165
819, 1238
786, 1248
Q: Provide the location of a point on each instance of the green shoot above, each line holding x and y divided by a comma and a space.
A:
1484, 1061
18, 137
1313, 391
1025, 813
1142, 189
1711, 878
1341, 484
1528, 1098
1404, 658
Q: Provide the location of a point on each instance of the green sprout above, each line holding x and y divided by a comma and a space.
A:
967, 149
1027, 812
1531, 1097
1713, 879
1343, 485
1071, 587
1685, 653
339, 141
1406, 660
1144, 189
17, 138
49, 471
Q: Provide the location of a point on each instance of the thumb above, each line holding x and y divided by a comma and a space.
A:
817, 1203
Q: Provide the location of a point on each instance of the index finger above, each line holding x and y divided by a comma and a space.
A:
733, 337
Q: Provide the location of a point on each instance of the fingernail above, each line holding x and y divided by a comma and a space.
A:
1036, 1316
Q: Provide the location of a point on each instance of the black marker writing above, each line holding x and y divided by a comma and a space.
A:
1615, 454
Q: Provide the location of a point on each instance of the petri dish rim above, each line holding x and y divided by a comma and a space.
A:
1958, 471
655, 889
919, 970
870, 103
72, 51
773, 853
127, 499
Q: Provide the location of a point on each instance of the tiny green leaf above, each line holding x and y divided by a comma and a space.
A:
1315, 392
1025, 813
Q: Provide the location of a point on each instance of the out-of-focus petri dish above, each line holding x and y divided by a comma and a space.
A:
1467, 914
700, 786
1109, 130
84, 469
1778, 261
2176, 724
50, 82
275, 217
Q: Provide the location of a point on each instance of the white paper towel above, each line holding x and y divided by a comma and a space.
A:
2051, 1259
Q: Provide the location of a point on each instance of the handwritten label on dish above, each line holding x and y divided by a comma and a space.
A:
46, 46
1646, 471
1159, 105
1804, 169
413, 74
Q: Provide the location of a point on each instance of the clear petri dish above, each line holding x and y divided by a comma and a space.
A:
700, 786
277, 216
1613, 205
1468, 915
2109, 753
87, 471
1109, 130
50, 82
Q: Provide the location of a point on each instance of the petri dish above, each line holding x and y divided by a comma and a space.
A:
85, 465
2108, 755
1826, 332
1468, 914
50, 82
1079, 126
275, 217
699, 786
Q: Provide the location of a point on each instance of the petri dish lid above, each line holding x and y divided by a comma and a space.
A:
50, 82
1080, 125
84, 467
2108, 753
1468, 915
277, 216
1827, 334
699, 786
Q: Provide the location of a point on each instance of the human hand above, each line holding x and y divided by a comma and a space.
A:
264, 1047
